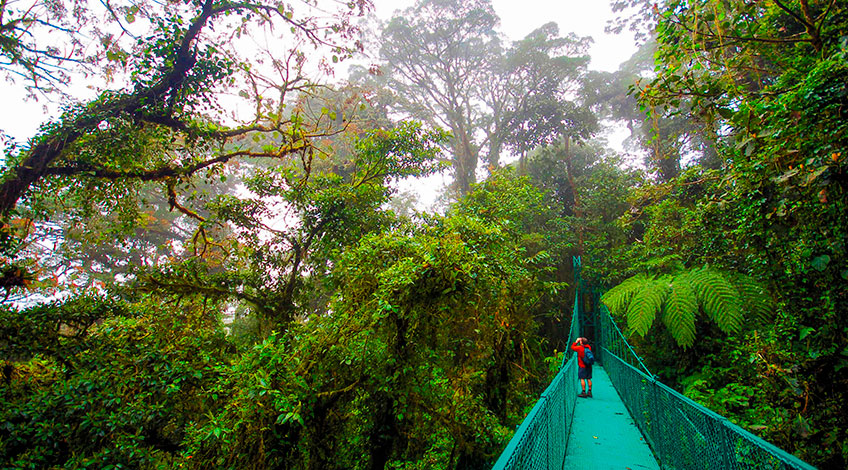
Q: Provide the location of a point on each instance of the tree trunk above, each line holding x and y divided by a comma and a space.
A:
578, 209
465, 160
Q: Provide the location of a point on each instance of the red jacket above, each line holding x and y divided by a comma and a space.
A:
581, 351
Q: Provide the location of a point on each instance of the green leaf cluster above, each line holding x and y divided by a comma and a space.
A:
727, 300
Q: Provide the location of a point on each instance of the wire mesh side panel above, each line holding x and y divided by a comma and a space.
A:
574, 329
633, 392
558, 397
613, 341
682, 433
541, 440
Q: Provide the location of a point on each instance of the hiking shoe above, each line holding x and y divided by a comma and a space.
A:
589, 394
583, 395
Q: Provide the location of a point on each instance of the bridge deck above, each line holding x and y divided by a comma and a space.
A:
603, 434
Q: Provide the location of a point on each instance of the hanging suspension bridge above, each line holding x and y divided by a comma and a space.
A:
633, 421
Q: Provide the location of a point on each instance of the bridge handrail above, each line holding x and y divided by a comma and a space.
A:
684, 434
613, 339
540, 442
573, 330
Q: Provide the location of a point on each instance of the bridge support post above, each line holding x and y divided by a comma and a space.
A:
588, 306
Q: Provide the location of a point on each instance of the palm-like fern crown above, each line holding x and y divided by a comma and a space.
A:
727, 299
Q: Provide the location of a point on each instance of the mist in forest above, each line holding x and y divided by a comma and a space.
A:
310, 235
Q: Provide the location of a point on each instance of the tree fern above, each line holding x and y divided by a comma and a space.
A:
718, 298
680, 310
728, 299
757, 303
619, 296
646, 304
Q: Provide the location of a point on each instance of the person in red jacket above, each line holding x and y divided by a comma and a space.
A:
584, 372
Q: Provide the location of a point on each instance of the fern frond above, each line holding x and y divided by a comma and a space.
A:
617, 298
726, 298
680, 310
646, 304
756, 301
719, 299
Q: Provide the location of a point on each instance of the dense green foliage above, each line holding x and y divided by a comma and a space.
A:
419, 366
429, 335
185, 287
769, 202
678, 298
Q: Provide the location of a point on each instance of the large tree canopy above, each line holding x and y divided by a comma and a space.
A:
450, 68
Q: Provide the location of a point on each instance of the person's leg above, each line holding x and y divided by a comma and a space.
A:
590, 387
581, 374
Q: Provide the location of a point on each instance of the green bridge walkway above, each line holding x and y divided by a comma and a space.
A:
633, 421
604, 436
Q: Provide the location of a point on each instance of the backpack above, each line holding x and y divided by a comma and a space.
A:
588, 357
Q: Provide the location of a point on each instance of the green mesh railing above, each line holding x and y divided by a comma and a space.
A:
542, 438
612, 341
682, 433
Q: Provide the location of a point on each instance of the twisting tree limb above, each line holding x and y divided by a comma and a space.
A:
49, 148
166, 172
174, 204
38, 161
